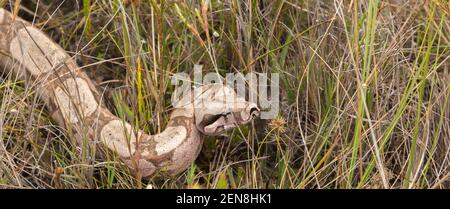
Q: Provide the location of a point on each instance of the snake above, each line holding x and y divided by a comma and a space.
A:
73, 102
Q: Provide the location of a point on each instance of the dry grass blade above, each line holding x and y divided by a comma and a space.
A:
365, 90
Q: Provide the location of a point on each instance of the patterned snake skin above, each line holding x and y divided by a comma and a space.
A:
73, 102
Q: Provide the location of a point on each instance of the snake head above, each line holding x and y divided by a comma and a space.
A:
218, 108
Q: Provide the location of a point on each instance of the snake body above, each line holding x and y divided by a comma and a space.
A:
73, 102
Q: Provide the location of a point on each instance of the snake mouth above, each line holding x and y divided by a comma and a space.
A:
217, 124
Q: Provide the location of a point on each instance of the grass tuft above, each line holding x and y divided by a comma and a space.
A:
365, 88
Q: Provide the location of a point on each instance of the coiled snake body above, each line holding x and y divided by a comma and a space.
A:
73, 102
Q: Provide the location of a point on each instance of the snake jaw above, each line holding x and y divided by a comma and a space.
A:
221, 109
229, 121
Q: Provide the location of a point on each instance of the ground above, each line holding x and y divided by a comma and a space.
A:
364, 99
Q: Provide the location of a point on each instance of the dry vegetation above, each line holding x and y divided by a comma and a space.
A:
364, 98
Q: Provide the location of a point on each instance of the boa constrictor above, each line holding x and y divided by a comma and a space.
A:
73, 102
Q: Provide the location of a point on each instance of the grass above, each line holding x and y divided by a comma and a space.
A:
364, 101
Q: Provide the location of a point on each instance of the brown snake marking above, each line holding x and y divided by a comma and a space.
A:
73, 102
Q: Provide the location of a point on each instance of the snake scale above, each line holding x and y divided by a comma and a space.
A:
73, 102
